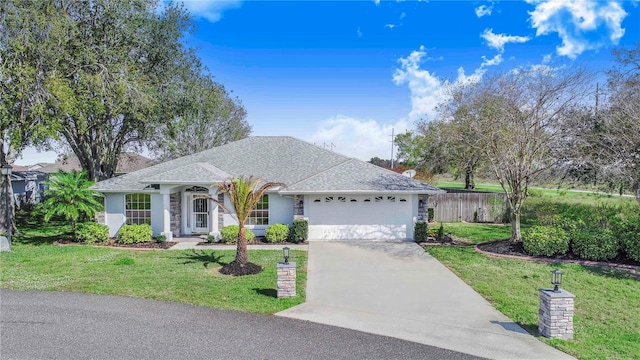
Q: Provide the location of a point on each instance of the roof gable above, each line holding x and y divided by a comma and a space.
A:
299, 165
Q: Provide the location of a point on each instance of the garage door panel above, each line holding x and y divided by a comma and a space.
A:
364, 232
360, 217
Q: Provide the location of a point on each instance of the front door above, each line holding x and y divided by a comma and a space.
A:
200, 215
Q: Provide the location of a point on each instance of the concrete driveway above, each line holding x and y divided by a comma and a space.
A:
396, 289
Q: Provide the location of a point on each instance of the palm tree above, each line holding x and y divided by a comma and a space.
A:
68, 195
243, 193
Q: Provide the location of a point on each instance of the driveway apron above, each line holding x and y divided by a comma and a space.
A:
396, 289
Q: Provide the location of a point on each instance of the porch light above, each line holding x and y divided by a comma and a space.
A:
285, 253
556, 279
6, 169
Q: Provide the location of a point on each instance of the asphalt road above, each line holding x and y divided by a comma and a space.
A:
57, 325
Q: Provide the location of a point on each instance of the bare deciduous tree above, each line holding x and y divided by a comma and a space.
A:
516, 120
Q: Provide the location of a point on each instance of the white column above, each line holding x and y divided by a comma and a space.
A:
166, 216
213, 212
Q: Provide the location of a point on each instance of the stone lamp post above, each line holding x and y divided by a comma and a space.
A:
556, 310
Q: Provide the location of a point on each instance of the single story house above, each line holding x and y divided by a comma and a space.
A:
28, 185
341, 197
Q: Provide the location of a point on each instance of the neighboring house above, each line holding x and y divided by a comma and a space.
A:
342, 198
127, 162
28, 185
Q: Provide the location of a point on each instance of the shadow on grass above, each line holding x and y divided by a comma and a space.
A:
33, 230
616, 273
206, 258
267, 292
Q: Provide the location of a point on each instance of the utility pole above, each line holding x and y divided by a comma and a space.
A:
392, 143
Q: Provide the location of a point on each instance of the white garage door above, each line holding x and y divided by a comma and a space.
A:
360, 217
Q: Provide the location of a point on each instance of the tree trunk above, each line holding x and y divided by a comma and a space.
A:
241, 252
469, 182
515, 227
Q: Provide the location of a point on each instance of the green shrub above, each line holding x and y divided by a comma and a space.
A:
161, 238
229, 234
441, 232
421, 231
91, 232
545, 241
431, 214
133, 234
211, 238
594, 244
276, 233
628, 228
299, 231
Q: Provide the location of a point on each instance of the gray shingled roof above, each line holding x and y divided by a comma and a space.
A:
301, 166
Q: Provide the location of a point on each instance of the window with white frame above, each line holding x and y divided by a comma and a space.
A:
260, 213
138, 208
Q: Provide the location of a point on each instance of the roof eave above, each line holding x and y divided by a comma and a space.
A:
313, 192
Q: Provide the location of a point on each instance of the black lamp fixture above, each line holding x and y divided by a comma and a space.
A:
556, 279
285, 253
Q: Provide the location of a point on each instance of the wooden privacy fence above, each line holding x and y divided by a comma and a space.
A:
468, 206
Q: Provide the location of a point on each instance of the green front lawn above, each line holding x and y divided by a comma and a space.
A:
606, 304
188, 276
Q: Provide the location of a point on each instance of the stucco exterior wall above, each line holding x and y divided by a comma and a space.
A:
157, 219
114, 212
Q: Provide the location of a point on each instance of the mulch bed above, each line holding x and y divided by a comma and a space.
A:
449, 241
112, 243
258, 240
507, 248
235, 269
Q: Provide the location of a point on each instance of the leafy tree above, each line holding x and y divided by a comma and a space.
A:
210, 117
517, 119
68, 195
243, 194
104, 76
23, 119
383, 163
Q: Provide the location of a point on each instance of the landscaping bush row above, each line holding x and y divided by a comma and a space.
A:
295, 233
603, 234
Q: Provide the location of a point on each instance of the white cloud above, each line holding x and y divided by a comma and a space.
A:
390, 26
359, 32
496, 60
210, 9
377, 2
427, 90
359, 138
498, 41
581, 24
484, 10
546, 59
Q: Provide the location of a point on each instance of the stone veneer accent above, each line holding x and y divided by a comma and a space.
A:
556, 314
286, 280
422, 210
175, 207
220, 212
298, 207
100, 217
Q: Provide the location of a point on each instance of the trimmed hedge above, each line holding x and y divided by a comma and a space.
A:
229, 234
134, 234
545, 241
421, 231
91, 233
594, 244
299, 231
276, 233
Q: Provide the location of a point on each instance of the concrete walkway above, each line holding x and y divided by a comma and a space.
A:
398, 290
192, 243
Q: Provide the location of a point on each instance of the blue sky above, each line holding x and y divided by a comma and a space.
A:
348, 72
